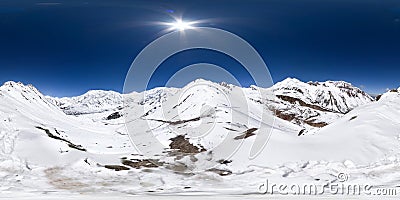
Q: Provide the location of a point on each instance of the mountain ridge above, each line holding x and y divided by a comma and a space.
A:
313, 104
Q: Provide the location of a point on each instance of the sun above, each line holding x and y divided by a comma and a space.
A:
181, 25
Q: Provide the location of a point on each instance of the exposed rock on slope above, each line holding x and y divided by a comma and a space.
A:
316, 103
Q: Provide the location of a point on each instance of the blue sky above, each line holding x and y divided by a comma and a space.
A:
65, 48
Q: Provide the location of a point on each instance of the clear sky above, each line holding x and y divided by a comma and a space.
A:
65, 48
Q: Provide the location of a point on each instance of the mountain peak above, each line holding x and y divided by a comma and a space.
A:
100, 93
92, 101
336, 96
200, 81
19, 86
291, 80
12, 84
208, 82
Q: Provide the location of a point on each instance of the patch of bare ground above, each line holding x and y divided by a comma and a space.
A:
59, 181
285, 116
178, 167
302, 103
116, 167
182, 144
246, 134
315, 124
146, 163
290, 117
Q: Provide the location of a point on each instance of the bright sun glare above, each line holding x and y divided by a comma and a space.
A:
181, 25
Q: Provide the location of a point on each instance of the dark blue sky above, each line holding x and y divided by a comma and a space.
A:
65, 48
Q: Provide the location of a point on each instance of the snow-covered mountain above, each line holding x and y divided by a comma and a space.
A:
312, 104
93, 101
43, 133
51, 145
316, 104
333, 96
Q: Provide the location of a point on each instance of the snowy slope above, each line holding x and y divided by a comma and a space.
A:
206, 113
372, 129
49, 150
201, 100
48, 135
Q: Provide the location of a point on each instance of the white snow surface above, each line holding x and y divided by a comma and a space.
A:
337, 96
93, 101
361, 140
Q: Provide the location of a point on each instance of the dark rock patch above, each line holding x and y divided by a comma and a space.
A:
221, 172
181, 144
137, 163
301, 132
230, 129
246, 134
290, 117
316, 124
69, 143
178, 121
224, 162
115, 115
285, 116
302, 103
354, 117
116, 167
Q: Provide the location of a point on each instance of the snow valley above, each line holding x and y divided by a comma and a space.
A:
82, 144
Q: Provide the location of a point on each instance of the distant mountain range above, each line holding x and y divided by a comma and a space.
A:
314, 104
